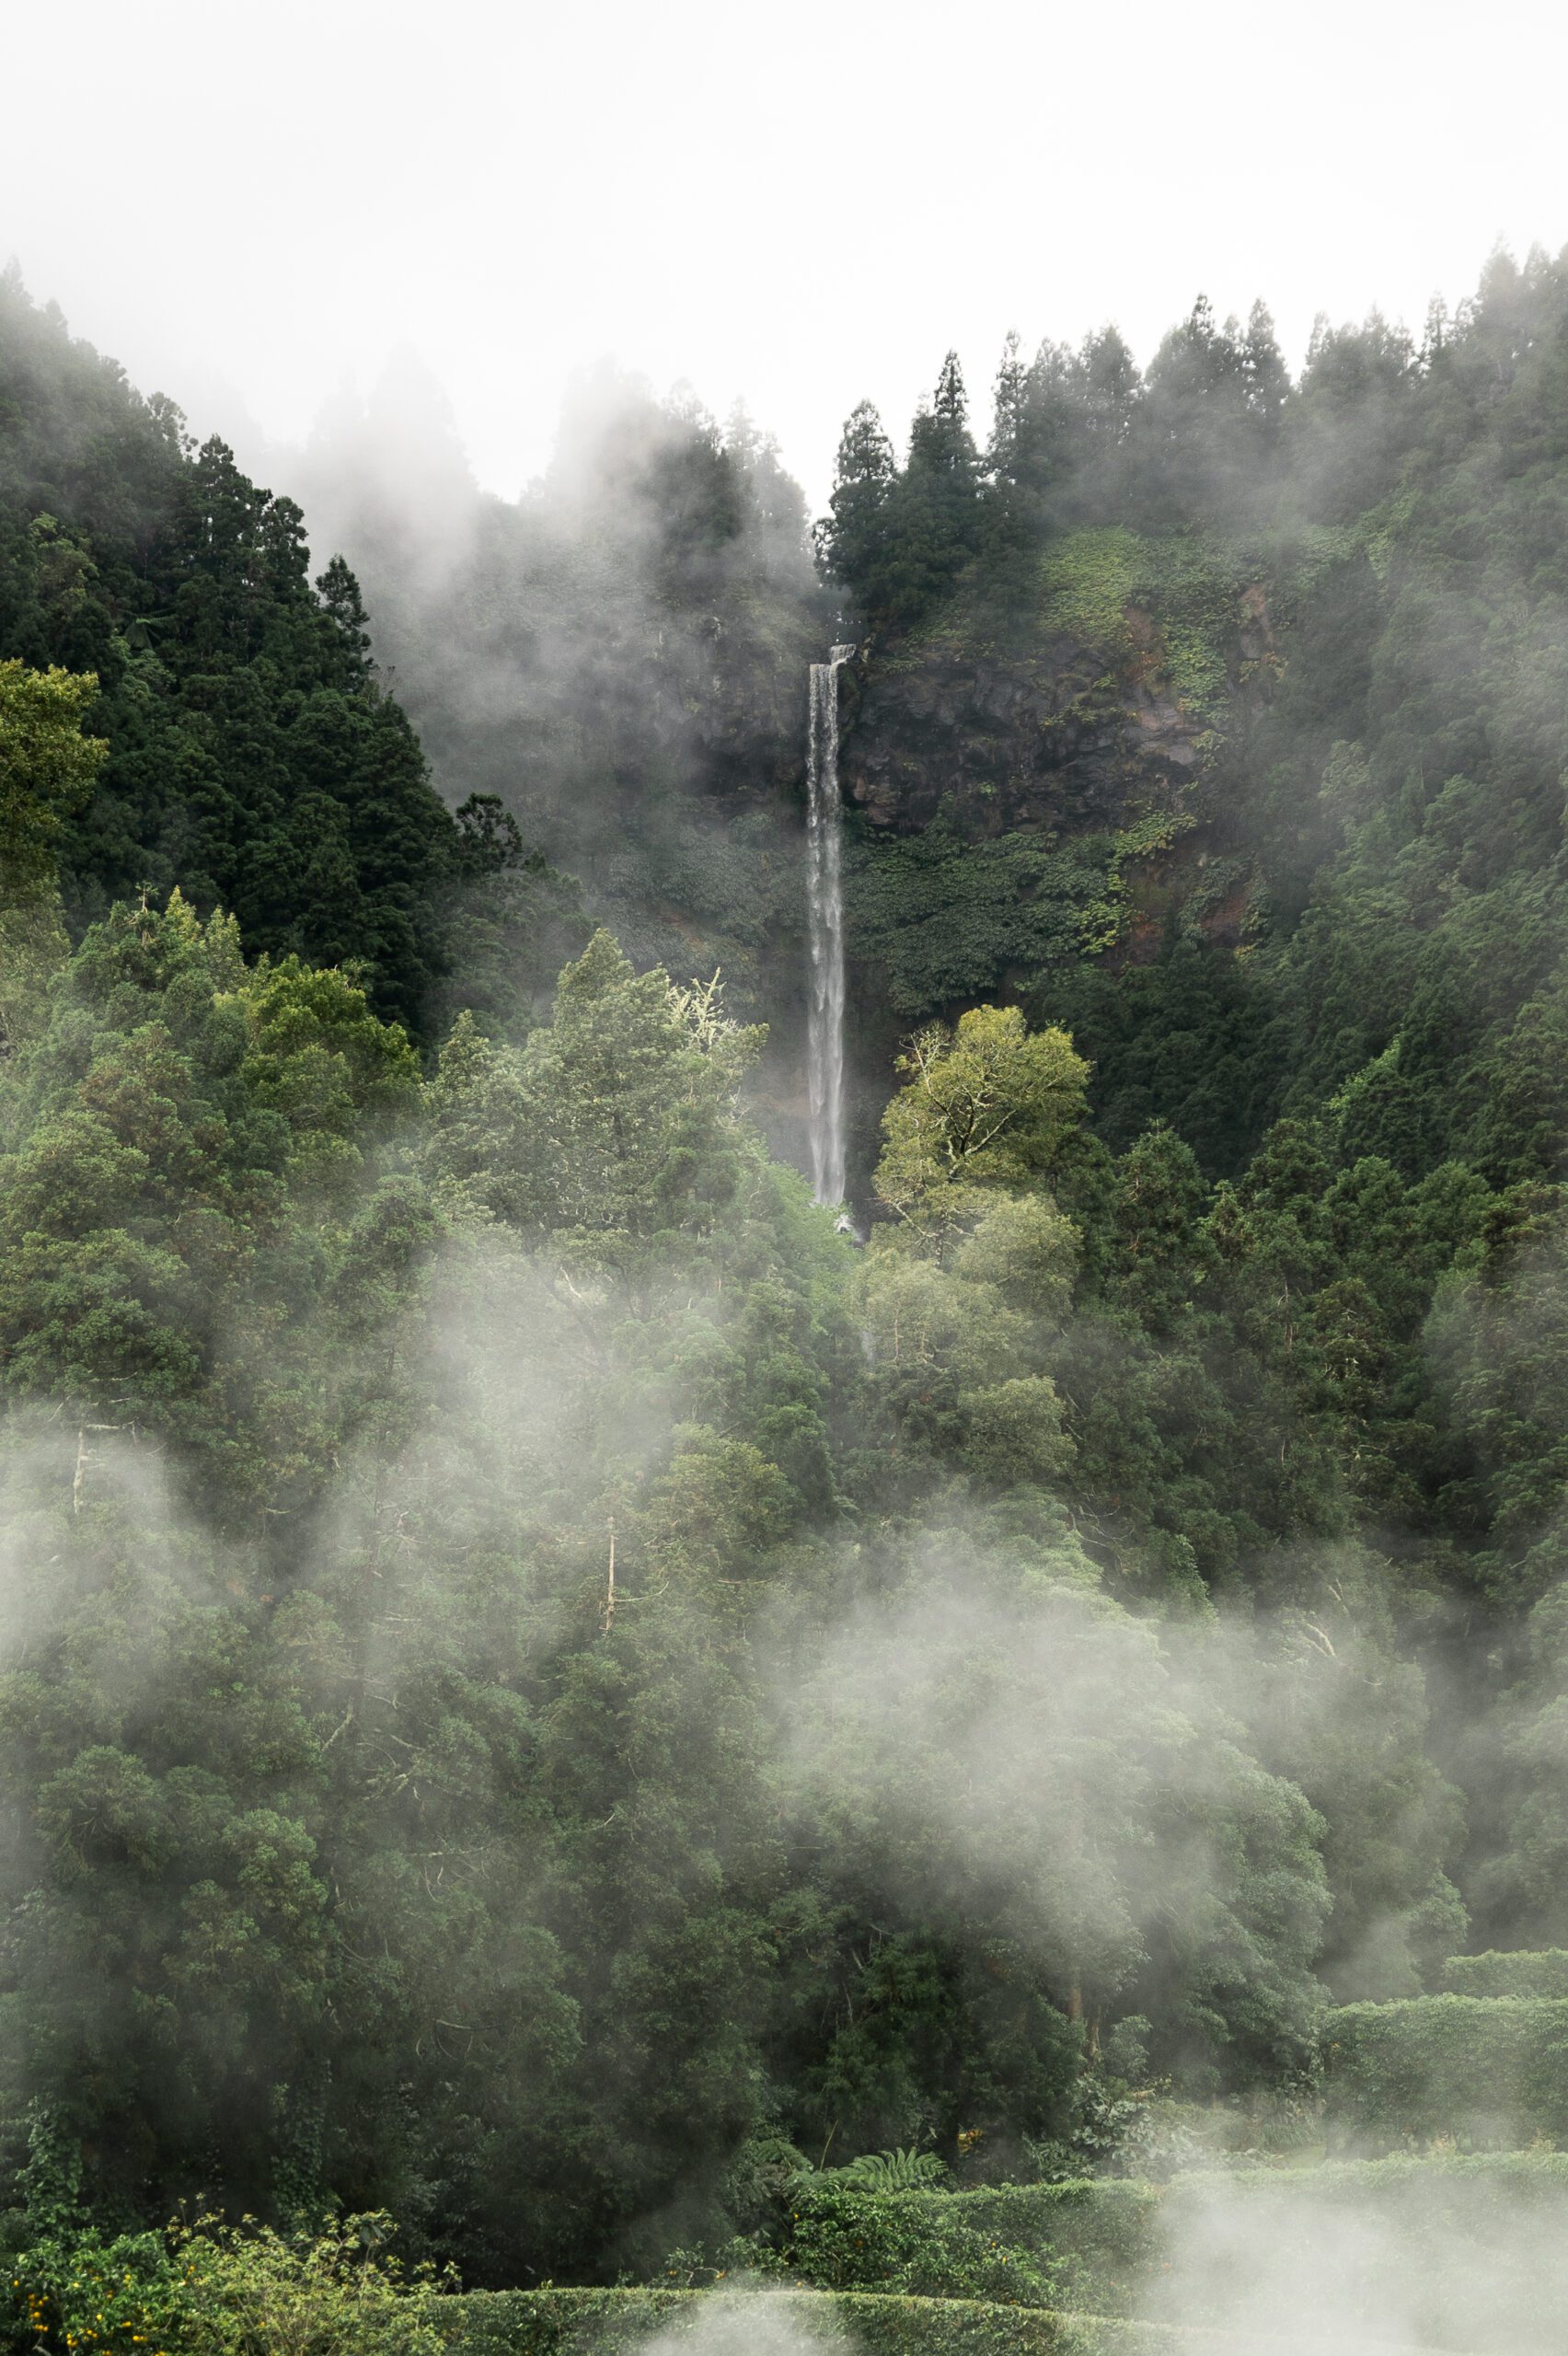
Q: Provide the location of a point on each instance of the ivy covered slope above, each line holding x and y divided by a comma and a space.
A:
253, 759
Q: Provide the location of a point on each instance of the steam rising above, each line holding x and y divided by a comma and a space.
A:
1426, 2257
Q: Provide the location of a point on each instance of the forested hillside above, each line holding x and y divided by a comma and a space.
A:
551, 1692
253, 759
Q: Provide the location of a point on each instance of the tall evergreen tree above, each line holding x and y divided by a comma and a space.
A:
935, 519
852, 539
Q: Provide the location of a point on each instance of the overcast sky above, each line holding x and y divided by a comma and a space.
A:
250, 205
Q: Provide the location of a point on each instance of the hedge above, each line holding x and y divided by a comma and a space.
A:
584, 2323
1104, 2232
1438, 2218
1542, 1973
923, 2244
1100, 2243
1464, 2252
1484, 2069
1107, 2248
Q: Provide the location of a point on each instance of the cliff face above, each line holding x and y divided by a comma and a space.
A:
1079, 751
1049, 738
1062, 787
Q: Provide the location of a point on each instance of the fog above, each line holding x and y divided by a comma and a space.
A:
803, 205
1434, 2259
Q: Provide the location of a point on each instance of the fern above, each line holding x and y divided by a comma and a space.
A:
910, 2171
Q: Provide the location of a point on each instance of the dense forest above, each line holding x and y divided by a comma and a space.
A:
555, 1696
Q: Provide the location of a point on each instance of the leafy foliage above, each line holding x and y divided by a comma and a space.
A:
893, 2171
1493, 2067
207, 2286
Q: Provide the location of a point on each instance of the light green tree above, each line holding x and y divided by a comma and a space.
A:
984, 1107
47, 768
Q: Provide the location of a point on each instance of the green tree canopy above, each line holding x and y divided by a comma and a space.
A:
986, 1104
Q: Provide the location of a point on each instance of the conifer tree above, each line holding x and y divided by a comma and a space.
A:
936, 515
1265, 377
339, 595
1110, 381
1009, 401
852, 538
1011, 488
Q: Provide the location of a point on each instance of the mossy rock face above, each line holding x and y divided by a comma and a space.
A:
1035, 787
1060, 741
1083, 713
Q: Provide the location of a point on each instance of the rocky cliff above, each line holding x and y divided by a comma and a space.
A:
1073, 756
1051, 737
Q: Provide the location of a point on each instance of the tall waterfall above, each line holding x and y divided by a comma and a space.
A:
825, 900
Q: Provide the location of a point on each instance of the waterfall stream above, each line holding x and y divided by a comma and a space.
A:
824, 902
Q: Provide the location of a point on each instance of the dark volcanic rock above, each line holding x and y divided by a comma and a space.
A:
1051, 739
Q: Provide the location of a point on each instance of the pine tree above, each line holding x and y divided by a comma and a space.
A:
1009, 503
1008, 404
935, 508
940, 443
1111, 384
339, 593
851, 539
1265, 377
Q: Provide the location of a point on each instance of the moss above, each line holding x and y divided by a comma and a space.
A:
1091, 582
1087, 582
1380, 530
1191, 589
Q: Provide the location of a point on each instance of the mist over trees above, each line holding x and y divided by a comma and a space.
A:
549, 1691
617, 653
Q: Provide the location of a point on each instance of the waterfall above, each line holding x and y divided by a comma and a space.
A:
824, 903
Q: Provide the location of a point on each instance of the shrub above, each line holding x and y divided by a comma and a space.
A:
1487, 2070
922, 2244
1096, 2237
214, 2290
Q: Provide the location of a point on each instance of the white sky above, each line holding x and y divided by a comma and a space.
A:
249, 205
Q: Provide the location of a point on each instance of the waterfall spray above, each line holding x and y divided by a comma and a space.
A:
824, 901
